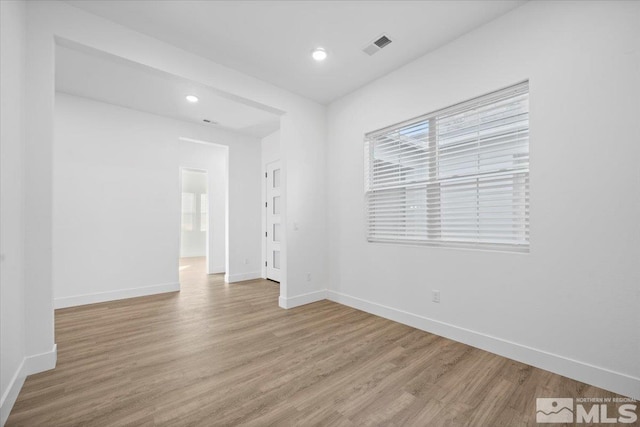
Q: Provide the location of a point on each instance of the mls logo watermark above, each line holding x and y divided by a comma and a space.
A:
587, 410
554, 410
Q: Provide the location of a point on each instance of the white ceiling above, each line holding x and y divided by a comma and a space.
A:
106, 78
272, 40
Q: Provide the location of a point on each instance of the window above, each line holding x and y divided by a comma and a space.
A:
455, 177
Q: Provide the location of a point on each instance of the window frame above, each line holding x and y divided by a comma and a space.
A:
433, 184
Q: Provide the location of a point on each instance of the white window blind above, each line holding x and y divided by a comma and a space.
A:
455, 177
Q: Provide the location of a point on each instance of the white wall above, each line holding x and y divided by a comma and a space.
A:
302, 142
116, 199
270, 148
193, 242
571, 305
270, 153
218, 177
12, 86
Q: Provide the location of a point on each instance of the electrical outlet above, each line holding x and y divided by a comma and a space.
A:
435, 296
308, 277
246, 260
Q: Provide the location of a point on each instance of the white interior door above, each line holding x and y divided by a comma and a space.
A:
274, 225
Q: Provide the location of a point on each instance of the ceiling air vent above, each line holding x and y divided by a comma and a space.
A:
376, 45
382, 41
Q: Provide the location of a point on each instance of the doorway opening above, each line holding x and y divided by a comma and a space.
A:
194, 217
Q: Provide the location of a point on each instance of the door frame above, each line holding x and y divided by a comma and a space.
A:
226, 176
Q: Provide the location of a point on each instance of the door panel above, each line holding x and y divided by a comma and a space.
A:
274, 225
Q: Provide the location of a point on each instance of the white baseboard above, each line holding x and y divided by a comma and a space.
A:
97, 297
217, 270
303, 299
193, 255
617, 382
232, 278
41, 362
30, 365
11, 393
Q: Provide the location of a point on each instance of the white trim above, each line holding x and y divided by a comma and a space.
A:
41, 362
600, 377
232, 278
11, 393
303, 299
97, 297
195, 141
216, 270
30, 365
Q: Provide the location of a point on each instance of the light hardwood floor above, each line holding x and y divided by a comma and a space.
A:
218, 354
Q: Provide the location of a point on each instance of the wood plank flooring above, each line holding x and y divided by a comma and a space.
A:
217, 354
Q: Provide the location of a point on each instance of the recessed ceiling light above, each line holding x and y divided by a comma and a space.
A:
319, 54
192, 98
